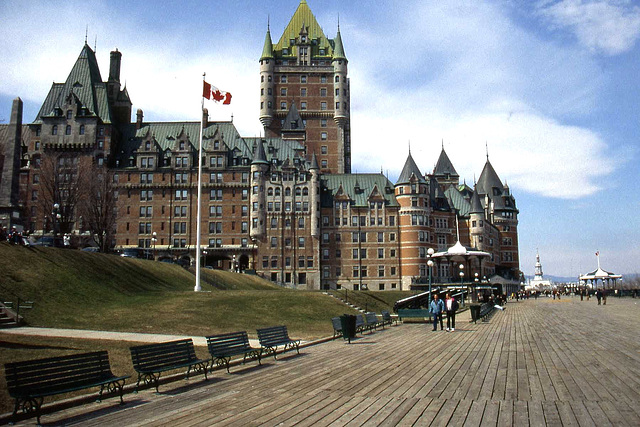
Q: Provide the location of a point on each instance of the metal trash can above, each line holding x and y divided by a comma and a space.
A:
475, 312
348, 322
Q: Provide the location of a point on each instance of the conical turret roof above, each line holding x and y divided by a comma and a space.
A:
293, 121
267, 50
338, 50
410, 168
489, 181
476, 205
444, 166
259, 155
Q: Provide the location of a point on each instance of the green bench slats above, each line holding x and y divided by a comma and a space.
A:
150, 360
372, 321
224, 346
273, 337
387, 319
413, 313
337, 326
28, 382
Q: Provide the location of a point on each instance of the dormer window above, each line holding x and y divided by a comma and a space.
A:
69, 114
285, 51
181, 145
147, 145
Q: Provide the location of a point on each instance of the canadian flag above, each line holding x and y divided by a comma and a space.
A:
215, 93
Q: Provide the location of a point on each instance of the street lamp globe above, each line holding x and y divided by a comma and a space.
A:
430, 251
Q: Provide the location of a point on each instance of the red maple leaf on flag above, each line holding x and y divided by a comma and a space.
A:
217, 95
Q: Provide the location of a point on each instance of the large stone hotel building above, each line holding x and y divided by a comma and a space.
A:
285, 205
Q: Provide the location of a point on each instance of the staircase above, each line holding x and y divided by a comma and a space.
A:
10, 318
355, 307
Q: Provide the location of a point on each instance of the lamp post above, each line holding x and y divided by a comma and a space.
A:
430, 253
56, 221
154, 239
476, 280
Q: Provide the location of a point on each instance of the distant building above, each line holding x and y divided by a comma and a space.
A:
538, 283
285, 206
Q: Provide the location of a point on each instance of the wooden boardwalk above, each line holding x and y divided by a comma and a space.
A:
537, 363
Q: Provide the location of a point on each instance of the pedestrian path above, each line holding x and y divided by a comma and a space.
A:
107, 335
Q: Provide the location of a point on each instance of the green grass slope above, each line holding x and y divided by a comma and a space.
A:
75, 289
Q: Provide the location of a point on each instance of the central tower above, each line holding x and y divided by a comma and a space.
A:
304, 91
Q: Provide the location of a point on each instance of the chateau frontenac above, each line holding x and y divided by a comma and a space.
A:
285, 206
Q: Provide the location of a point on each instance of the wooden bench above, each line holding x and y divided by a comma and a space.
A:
274, 336
413, 313
29, 382
337, 326
360, 323
222, 347
486, 310
151, 360
372, 321
387, 319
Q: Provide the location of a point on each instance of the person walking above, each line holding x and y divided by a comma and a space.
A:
599, 296
436, 308
451, 306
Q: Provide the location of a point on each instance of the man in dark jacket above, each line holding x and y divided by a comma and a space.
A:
451, 306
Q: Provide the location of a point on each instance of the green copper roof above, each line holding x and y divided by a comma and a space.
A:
84, 81
338, 52
267, 50
457, 201
358, 187
304, 17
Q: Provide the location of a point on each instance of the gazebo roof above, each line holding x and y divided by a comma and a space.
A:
600, 274
459, 251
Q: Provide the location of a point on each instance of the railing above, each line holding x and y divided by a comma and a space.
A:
12, 308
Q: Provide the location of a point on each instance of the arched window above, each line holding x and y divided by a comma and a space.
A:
277, 191
67, 130
337, 79
305, 191
54, 130
298, 191
81, 129
270, 192
287, 192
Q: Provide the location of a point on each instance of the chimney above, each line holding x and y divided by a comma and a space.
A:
114, 66
10, 177
205, 118
139, 117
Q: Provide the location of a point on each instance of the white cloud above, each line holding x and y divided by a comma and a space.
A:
608, 26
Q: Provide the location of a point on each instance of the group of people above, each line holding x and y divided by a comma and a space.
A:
438, 307
12, 236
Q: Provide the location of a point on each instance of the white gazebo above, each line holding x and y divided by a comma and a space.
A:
605, 278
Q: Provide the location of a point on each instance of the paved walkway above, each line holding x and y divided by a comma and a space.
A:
105, 335
544, 362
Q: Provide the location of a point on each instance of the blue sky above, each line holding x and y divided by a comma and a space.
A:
550, 87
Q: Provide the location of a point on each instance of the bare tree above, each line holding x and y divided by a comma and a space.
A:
61, 183
99, 207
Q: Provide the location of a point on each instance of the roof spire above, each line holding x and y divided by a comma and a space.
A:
95, 44
86, 33
409, 147
443, 143
486, 145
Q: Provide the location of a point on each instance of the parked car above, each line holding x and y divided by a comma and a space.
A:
49, 241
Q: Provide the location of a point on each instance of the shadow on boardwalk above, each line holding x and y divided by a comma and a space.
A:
541, 362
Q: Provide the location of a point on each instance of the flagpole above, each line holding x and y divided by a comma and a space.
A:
198, 288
